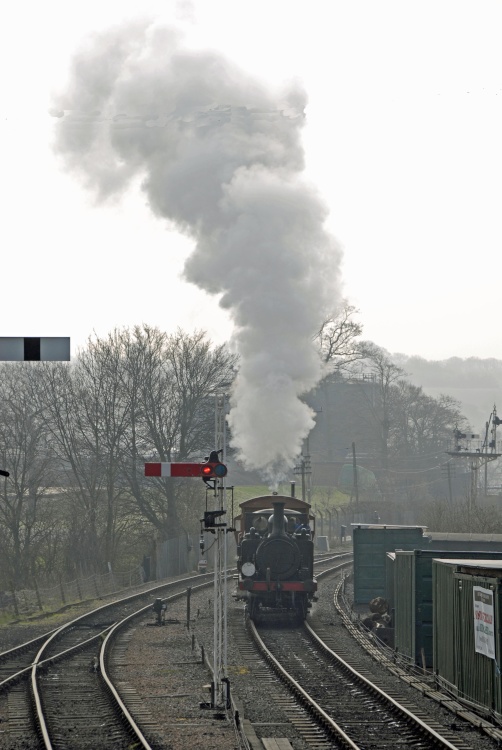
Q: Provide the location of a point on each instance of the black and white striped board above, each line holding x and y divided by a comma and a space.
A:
34, 349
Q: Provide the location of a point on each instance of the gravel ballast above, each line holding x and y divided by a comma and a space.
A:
164, 666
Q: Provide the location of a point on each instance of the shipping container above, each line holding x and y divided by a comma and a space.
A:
413, 615
371, 542
467, 597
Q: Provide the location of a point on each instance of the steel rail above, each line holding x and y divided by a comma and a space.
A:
305, 698
323, 718
137, 595
103, 657
40, 718
387, 659
51, 659
378, 691
39, 661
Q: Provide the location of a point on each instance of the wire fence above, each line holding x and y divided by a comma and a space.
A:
26, 602
171, 557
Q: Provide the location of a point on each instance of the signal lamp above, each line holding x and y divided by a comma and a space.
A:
212, 470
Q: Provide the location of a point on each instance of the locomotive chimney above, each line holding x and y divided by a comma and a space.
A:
278, 520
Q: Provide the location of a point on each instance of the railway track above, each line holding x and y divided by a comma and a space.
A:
60, 686
59, 692
342, 705
415, 678
68, 718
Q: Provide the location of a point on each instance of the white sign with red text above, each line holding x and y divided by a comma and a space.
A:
484, 622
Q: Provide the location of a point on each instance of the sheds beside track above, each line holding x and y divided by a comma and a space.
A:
371, 544
413, 600
445, 603
467, 597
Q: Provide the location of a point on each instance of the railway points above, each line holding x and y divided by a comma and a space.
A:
179, 648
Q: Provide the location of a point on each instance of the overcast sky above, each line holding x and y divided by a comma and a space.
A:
402, 138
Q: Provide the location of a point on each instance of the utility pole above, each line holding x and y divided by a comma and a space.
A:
449, 482
354, 466
304, 469
486, 462
330, 523
308, 470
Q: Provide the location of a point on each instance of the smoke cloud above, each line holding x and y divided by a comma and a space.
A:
221, 157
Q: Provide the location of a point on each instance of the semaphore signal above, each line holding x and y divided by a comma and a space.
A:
212, 472
34, 348
206, 470
211, 469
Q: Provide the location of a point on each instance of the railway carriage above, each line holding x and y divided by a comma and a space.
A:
275, 551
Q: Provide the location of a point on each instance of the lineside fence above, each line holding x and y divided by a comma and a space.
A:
169, 558
26, 602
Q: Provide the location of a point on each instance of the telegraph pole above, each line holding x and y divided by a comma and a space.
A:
449, 482
304, 469
354, 466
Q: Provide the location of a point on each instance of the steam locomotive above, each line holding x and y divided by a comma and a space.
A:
275, 555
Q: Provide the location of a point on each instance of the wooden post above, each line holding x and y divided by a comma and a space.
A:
62, 591
16, 610
37, 592
189, 594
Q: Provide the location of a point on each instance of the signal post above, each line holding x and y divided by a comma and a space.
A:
479, 453
212, 472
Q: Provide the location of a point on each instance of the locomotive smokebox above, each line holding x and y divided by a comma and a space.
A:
278, 556
278, 521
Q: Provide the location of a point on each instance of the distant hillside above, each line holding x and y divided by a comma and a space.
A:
475, 383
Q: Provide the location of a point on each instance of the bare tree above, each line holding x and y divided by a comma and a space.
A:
85, 418
421, 427
26, 454
337, 339
377, 362
462, 517
168, 389
130, 397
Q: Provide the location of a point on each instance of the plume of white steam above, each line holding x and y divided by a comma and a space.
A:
221, 157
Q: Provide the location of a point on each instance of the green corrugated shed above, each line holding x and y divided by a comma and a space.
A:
468, 674
390, 566
413, 615
371, 544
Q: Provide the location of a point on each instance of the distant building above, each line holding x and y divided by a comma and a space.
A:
347, 411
